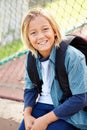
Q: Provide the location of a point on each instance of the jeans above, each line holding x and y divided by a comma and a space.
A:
39, 110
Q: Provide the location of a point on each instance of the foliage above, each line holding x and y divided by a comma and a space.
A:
11, 48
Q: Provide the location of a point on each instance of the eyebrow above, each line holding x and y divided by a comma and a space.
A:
35, 29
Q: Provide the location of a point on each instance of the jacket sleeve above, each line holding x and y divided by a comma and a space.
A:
30, 92
71, 106
30, 96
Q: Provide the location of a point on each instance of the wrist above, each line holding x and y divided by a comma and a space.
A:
28, 111
50, 117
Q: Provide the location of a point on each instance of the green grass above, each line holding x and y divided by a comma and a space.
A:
68, 13
11, 48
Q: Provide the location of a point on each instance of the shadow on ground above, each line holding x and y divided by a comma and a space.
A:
8, 124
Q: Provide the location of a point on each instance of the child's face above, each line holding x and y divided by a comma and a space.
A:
41, 35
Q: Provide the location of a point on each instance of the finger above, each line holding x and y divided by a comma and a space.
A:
28, 128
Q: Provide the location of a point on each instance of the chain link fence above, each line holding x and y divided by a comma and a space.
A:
11, 13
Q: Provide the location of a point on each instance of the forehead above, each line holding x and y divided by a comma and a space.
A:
39, 21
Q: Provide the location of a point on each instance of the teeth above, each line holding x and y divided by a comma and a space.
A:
42, 43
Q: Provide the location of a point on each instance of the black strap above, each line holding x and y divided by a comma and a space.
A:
33, 73
61, 70
61, 73
62, 76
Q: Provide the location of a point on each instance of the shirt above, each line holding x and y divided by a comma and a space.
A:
45, 96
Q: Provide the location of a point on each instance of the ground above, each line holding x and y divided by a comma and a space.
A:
11, 114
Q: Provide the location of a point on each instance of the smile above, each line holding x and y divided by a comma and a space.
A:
43, 42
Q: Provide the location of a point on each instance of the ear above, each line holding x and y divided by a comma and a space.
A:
55, 36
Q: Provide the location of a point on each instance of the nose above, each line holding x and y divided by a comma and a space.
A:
40, 35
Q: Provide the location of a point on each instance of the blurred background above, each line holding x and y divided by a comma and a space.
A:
71, 15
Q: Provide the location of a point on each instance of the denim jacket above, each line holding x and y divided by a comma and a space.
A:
77, 74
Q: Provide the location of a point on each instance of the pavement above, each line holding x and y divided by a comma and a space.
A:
11, 93
12, 79
11, 114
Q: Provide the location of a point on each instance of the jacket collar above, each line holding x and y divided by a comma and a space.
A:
52, 55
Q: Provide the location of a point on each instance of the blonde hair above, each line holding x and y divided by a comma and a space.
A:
25, 27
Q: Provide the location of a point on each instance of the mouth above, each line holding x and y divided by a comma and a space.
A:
43, 42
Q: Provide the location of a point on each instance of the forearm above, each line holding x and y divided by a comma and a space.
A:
27, 111
49, 117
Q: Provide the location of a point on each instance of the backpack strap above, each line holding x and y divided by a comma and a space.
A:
33, 72
77, 42
60, 69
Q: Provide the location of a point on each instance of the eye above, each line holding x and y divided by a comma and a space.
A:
32, 33
45, 29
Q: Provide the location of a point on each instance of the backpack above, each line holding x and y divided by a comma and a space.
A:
61, 74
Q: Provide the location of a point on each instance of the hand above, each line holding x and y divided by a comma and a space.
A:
39, 124
42, 122
29, 120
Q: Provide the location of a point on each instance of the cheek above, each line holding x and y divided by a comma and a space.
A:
51, 37
31, 39
51, 34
